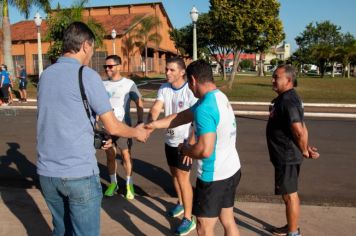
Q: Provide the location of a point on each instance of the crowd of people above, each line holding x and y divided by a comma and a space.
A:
74, 104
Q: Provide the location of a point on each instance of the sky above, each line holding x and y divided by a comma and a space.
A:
295, 14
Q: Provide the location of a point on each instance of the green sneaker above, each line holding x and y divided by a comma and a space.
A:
130, 192
111, 190
176, 211
186, 226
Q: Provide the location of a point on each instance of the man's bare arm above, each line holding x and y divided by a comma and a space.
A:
172, 121
300, 133
155, 111
201, 149
117, 128
139, 108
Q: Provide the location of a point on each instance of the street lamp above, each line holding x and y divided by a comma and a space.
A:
113, 36
194, 16
38, 21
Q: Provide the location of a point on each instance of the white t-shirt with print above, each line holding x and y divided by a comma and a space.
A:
121, 92
175, 101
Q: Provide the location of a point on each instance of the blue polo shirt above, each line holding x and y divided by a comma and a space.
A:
64, 134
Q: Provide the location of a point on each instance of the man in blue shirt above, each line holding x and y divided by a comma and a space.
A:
67, 167
5, 83
23, 84
218, 169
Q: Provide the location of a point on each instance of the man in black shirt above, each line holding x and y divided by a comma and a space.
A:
287, 140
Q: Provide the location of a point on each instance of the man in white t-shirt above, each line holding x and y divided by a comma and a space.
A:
175, 96
121, 92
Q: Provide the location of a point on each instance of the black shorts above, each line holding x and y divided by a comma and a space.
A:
174, 159
286, 179
23, 84
211, 197
122, 143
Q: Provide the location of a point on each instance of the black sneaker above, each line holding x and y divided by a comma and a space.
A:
283, 231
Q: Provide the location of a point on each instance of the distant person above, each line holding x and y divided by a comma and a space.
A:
23, 84
287, 139
175, 96
218, 161
67, 166
5, 85
121, 92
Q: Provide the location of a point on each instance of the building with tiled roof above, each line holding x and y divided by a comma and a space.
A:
122, 18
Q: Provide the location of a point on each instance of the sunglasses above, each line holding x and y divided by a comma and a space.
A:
110, 66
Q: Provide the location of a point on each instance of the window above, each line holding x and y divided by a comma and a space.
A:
45, 61
97, 61
19, 60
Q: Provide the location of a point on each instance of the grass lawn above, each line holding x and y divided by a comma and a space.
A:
251, 88
311, 89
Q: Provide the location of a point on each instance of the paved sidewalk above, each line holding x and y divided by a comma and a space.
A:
24, 212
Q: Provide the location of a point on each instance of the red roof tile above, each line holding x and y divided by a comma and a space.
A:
121, 23
26, 30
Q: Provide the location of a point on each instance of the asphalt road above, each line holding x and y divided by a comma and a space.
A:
327, 181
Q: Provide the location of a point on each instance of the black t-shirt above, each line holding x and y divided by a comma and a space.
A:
285, 110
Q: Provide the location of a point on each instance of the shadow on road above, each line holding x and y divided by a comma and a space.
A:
21, 173
156, 175
122, 211
251, 227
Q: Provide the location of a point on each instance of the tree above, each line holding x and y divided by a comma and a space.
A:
24, 7
243, 25
147, 33
59, 21
128, 46
318, 42
207, 41
276, 62
179, 37
345, 52
270, 30
246, 64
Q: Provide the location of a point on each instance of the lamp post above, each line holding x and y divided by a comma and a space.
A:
113, 36
194, 16
38, 21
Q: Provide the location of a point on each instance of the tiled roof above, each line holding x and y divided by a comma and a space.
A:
121, 23
26, 30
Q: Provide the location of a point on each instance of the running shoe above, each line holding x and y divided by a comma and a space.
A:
186, 226
110, 191
176, 211
130, 192
283, 231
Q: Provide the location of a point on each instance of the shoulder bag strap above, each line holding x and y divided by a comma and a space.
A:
84, 96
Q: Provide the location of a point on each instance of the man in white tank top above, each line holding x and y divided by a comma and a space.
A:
175, 96
121, 92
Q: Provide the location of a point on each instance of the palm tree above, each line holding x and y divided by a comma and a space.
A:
24, 7
128, 45
144, 34
58, 22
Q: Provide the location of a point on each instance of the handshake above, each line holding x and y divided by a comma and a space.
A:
143, 131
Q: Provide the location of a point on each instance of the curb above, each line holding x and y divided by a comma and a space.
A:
241, 113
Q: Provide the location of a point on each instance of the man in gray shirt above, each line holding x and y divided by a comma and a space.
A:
67, 167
